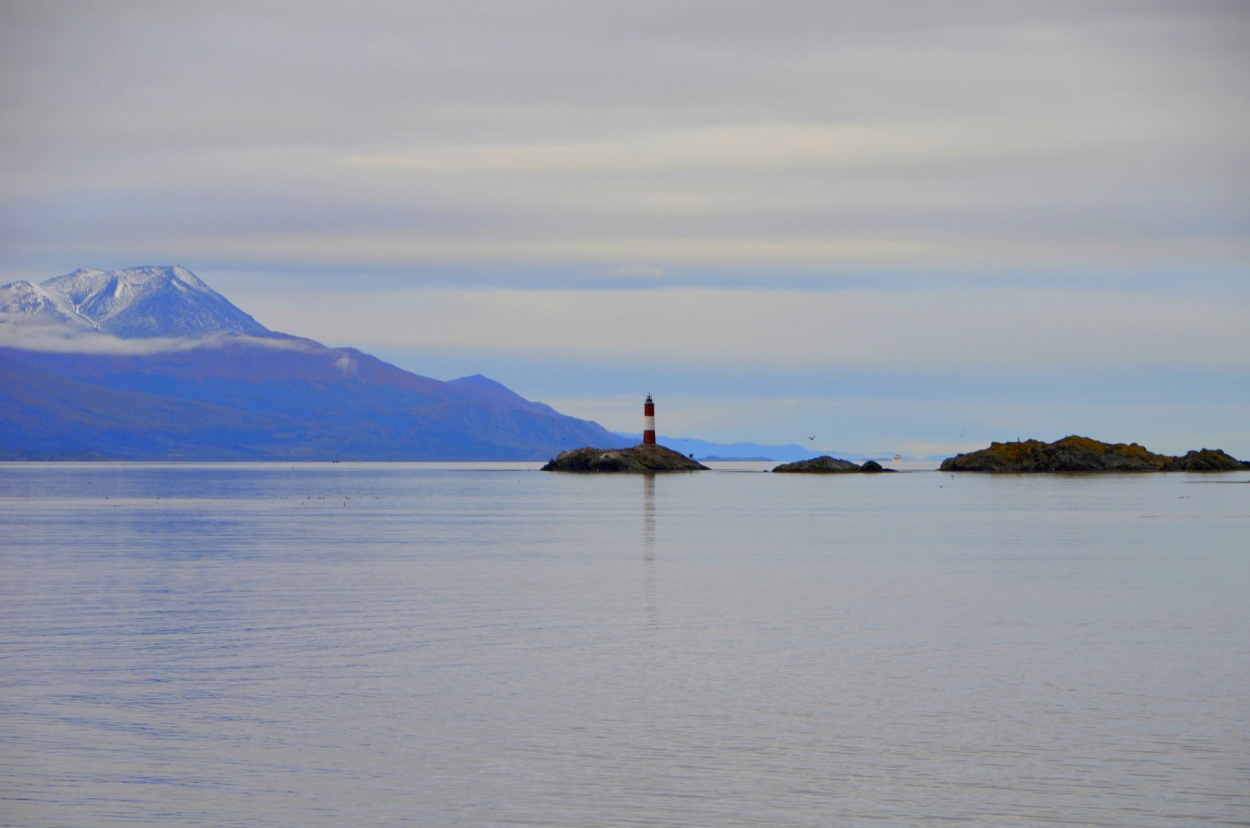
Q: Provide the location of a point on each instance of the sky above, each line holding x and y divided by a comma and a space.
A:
904, 227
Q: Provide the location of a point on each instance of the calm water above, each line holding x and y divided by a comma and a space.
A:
330, 645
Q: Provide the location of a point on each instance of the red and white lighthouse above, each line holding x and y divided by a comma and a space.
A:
648, 422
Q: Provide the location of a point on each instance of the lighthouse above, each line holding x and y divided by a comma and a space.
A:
648, 422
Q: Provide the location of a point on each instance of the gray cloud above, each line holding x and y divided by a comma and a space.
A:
532, 114
799, 135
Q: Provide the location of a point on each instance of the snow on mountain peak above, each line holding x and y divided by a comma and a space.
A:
136, 302
25, 303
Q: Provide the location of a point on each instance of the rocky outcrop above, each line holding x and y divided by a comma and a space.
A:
829, 465
1081, 454
1205, 460
640, 458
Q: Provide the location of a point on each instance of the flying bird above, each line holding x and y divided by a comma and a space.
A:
813, 437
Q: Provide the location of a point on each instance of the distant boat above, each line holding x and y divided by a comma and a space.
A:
898, 457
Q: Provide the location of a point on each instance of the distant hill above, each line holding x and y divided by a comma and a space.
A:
703, 450
150, 364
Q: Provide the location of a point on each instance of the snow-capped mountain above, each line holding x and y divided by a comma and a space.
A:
218, 385
138, 302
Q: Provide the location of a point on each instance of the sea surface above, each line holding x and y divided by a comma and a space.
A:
490, 645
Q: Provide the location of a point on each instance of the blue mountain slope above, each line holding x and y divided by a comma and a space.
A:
227, 388
244, 400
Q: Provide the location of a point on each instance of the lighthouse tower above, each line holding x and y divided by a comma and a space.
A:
648, 422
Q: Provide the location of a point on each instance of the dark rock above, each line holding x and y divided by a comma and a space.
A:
873, 467
820, 465
640, 458
1204, 460
1081, 454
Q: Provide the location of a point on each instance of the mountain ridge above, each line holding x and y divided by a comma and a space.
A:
199, 379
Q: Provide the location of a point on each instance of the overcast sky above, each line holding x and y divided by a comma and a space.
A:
900, 226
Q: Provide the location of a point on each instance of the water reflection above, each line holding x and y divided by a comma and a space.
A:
648, 552
648, 517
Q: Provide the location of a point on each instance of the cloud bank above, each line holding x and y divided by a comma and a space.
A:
606, 135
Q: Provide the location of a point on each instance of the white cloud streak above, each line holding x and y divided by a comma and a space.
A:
64, 340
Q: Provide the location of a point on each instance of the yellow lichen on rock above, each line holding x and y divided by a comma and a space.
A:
1081, 454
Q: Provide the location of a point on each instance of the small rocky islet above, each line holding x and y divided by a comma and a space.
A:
656, 458
1082, 454
644, 457
830, 465
1070, 454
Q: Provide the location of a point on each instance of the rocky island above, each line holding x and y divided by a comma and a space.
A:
1082, 454
829, 465
644, 457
